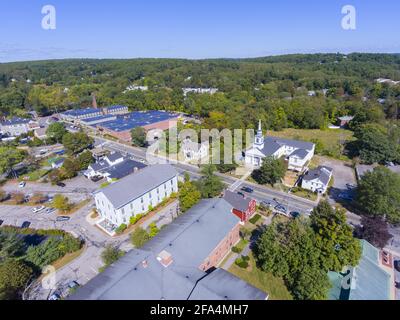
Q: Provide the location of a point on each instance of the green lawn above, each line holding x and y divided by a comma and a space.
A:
274, 286
331, 139
35, 175
305, 194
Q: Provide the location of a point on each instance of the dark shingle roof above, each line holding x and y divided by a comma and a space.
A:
124, 168
272, 144
300, 153
322, 173
237, 201
114, 156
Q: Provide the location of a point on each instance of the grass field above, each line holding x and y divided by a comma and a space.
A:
331, 139
264, 281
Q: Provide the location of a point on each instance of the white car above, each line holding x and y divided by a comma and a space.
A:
22, 184
38, 209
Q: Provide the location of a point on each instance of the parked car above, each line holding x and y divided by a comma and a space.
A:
96, 178
281, 208
22, 184
295, 214
73, 284
50, 210
247, 189
61, 184
397, 265
38, 209
1, 222
55, 296
350, 186
25, 224
62, 218
397, 285
266, 204
241, 194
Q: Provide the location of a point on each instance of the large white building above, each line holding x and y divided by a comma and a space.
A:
297, 153
135, 194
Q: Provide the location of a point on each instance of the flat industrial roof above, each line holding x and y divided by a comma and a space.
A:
137, 119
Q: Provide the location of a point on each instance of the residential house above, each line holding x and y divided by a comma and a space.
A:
15, 127
135, 194
193, 151
113, 166
367, 281
317, 180
180, 263
243, 207
344, 121
297, 153
57, 163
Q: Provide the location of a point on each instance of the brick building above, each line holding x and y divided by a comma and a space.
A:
243, 207
180, 263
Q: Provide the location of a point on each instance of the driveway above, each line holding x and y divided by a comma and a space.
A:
343, 174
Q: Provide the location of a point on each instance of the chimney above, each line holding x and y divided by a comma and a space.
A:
94, 102
165, 258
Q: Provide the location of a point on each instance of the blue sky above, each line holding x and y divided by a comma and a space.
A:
194, 29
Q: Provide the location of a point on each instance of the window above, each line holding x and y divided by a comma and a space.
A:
141, 199
172, 183
131, 206
165, 186
158, 191
123, 210
150, 195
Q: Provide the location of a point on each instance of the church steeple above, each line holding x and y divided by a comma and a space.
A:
259, 138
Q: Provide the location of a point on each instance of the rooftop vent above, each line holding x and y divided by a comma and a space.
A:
165, 258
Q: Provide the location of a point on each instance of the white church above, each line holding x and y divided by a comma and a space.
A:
297, 153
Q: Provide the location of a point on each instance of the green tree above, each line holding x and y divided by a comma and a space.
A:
44, 253
9, 157
378, 194
288, 250
70, 168
111, 254
334, 238
375, 230
271, 171
374, 144
61, 202
188, 195
139, 237
209, 185
74, 143
56, 131
138, 136
14, 277
11, 246
85, 159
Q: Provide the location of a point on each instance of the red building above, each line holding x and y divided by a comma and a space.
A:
243, 207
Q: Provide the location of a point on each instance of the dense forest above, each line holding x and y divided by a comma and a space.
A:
274, 89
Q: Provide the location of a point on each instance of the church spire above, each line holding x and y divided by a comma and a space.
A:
259, 138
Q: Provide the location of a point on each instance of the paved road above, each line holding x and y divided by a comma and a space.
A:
261, 193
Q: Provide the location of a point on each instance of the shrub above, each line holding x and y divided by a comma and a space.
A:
255, 219
236, 250
153, 230
121, 228
242, 262
139, 237
134, 219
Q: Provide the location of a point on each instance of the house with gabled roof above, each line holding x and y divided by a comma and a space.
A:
317, 180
